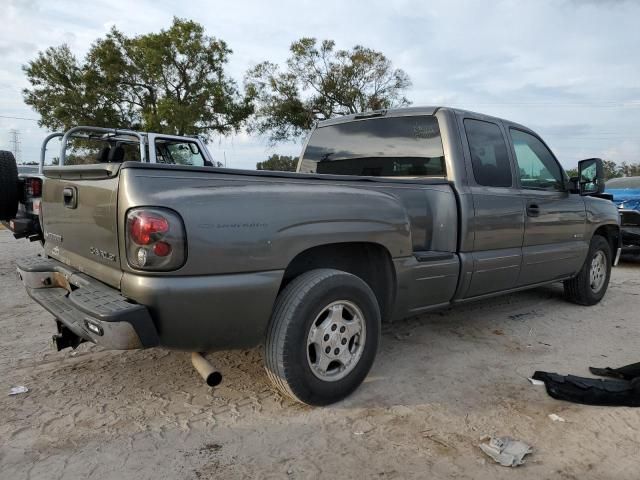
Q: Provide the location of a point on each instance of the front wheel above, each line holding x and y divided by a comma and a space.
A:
323, 336
590, 285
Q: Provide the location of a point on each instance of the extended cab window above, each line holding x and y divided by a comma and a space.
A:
538, 168
381, 147
489, 155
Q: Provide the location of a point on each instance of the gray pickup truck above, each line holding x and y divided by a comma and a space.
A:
391, 214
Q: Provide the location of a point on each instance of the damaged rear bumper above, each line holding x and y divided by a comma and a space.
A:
90, 309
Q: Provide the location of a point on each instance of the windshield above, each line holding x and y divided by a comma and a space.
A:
624, 182
382, 147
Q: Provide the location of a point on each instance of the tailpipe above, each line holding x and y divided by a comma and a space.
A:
207, 371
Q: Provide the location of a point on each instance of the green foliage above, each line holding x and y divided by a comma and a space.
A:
320, 82
572, 172
611, 169
630, 170
170, 82
282, 163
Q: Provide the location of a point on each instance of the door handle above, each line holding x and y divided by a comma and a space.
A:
70, 198
533, 210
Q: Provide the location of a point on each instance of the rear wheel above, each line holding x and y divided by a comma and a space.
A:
8, 186
590, 285
323, 336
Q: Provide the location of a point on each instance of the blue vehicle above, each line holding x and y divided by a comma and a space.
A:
626, 195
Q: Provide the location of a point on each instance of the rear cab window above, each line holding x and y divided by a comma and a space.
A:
95, 150
90, 149
409, 147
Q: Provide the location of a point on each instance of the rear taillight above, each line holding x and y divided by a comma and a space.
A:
145, 227
155, 239
33, 187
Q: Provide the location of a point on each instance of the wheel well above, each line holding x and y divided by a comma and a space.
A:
612, 234
369, 261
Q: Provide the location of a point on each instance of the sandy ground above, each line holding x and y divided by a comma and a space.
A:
440, 382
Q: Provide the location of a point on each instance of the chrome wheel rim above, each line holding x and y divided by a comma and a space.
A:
598, 271
336, 340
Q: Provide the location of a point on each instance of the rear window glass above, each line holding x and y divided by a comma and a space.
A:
381, 147
87, 151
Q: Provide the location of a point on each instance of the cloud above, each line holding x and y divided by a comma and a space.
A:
567, 69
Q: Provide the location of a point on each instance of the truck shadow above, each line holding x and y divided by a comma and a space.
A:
464, 356
467, 357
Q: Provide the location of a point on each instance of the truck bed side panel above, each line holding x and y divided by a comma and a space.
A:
242, 223
243, 231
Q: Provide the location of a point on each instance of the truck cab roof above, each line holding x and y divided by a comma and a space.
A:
410, 111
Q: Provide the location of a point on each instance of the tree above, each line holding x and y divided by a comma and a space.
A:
630, 170
170, 82
282, 163
611, 169
320, 82
572, 172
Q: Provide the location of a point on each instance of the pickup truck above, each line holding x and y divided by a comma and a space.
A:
391, 214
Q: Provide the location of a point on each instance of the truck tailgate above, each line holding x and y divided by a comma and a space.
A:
79, 214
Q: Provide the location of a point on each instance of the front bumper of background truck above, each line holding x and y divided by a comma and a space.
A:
86, 309
630, 229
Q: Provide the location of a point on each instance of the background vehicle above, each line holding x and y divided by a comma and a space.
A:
21, 186
391, 214
626, 195
20, 191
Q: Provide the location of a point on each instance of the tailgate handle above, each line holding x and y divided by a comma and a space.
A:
70, 197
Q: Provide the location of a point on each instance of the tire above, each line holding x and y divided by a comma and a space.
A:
307, 310
8, 186
584, 289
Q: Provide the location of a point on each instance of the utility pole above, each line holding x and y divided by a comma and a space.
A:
15, 143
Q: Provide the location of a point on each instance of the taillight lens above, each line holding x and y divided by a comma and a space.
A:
33, 187
155, 239
145, 227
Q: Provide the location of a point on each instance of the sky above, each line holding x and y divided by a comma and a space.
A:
568, 69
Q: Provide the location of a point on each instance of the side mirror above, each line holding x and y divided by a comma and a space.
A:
591, 176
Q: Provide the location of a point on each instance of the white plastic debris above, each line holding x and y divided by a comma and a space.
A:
556, 418
506, 451
360, 427
18, 390
535, 382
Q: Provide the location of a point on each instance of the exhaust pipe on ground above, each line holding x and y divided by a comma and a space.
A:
206, 370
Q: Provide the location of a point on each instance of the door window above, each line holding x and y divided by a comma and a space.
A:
489, 157
537, 167
179, 152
